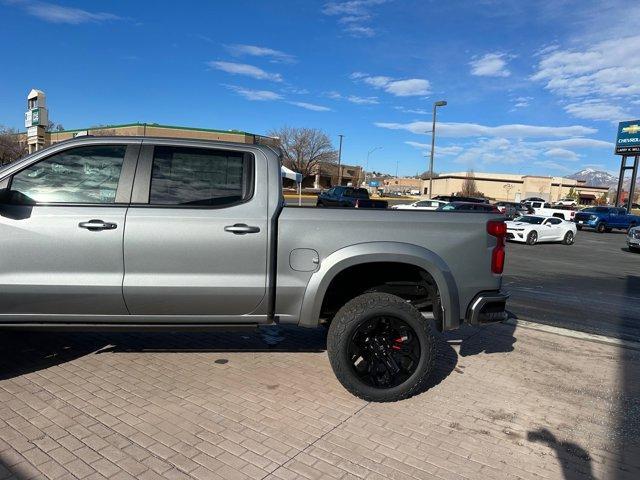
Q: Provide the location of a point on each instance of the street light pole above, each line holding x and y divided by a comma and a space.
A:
367, 167
440, 103
340, 161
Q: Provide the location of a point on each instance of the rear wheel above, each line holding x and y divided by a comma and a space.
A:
579, 227
532, 238
631, 225
381, 348
601, 227
568, 239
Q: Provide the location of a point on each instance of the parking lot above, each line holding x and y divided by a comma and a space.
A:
592, 286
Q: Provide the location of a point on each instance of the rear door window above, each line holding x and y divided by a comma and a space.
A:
200, 177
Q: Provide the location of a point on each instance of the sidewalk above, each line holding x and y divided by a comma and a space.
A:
506, 402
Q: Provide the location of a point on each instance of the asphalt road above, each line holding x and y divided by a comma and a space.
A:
592, 286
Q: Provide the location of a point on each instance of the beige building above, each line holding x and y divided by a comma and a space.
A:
512, 187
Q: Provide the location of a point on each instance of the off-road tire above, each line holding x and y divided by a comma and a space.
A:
532, 238
601, 227
350, 317
569, 238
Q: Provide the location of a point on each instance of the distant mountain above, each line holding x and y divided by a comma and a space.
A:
596, 178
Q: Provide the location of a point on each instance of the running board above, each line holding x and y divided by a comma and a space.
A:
131, 327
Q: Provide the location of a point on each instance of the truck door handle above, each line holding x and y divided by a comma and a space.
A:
241, 229
95, 225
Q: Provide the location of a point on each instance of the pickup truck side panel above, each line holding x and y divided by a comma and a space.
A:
340, 240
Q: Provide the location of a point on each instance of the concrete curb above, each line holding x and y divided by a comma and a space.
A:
565, 332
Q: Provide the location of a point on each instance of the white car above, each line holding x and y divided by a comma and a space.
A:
633, 239
532, 229
568, 202
421, 205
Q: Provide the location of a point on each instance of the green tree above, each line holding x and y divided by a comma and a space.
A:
573, 195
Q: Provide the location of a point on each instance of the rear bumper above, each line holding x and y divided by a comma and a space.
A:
487, 307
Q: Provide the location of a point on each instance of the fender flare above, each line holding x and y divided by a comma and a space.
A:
374, 252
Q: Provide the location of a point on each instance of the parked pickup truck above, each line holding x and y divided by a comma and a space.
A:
348, 197
605, 219
547, 210
124, 233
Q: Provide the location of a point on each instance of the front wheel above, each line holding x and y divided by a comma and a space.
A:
381, 348
568, 239
601, 227
532, 238
579, 227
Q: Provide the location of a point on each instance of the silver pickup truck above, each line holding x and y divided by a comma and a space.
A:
144, 233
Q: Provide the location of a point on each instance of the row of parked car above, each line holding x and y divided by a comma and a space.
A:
531, 221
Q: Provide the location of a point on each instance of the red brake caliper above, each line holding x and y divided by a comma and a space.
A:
397, 342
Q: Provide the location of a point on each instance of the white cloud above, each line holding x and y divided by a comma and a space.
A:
69, 15
575, 143
245, 69
354, 15
551, 165
447, 129
596, 110
276, 56
255, 95
498, 150
562, 153
400, 88
522, 102
418, 144
490, 65
596, 78
448, 150
417, 111
334, 95
362, 100
310, 106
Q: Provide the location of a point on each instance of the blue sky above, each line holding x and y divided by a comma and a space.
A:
533, 87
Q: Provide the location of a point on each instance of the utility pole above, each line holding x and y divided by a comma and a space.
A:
440, 103
340, 161
367, 167
397, 163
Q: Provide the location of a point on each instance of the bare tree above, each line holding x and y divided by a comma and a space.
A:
12, 145
304, 148
469, 188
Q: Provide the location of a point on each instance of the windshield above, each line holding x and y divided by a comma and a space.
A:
530, 219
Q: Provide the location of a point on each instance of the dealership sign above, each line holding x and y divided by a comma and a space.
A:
628, 140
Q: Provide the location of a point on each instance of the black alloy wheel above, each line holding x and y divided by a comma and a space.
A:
384, 352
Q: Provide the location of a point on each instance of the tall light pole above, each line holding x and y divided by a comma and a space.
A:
340, 161
367, 164
439, 103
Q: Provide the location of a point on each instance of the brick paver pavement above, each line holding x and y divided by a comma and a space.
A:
504, 403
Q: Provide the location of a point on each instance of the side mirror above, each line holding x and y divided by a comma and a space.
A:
5, 196
13, 197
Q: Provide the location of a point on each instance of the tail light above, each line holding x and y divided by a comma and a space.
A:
498, 229
573, 214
